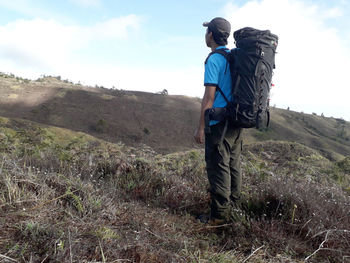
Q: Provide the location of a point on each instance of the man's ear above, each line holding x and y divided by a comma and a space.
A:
210, 38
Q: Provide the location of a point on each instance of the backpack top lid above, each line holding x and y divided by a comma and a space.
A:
251, 36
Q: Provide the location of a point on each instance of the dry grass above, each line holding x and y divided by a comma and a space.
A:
80, 200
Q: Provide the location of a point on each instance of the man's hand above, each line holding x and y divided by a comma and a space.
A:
207, 102
199, 136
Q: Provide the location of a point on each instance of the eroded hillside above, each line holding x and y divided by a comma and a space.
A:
165, 123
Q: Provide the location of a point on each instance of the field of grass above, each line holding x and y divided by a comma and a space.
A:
69, 197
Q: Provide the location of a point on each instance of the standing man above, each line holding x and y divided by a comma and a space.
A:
223, 142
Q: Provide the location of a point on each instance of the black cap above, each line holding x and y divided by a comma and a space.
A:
221, 29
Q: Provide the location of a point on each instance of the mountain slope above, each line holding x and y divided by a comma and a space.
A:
166, 123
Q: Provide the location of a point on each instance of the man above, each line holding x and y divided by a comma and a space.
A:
223, 142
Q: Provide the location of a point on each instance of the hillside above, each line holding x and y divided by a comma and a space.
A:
66, 196
165, 123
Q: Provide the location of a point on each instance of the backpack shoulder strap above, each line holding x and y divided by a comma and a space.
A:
226, 56
220, 51
223, 52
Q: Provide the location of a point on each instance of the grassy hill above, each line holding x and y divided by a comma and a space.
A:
97, 175
66, 196
165, 123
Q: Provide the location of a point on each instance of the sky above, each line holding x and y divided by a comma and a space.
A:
155, 45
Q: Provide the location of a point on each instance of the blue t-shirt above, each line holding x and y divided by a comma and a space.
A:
217, 73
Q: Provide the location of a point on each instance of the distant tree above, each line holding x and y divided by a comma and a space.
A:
164, 92
100, 126
146, 131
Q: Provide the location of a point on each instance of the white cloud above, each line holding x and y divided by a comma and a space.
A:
115, 28
36, 43
47, 46
312, 60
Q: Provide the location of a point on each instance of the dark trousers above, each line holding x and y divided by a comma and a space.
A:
222, 156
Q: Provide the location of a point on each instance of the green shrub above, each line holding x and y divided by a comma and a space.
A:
101, 126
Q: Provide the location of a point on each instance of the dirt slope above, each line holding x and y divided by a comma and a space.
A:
166, 123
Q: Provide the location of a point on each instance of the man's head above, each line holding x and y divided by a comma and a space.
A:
220, 29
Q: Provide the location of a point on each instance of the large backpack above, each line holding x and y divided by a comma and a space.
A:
251, 65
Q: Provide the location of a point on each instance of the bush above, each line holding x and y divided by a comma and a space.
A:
101, 126
146, 131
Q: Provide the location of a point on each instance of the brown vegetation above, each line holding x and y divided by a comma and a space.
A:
68, 197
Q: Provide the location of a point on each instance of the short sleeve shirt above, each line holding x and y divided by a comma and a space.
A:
217, 73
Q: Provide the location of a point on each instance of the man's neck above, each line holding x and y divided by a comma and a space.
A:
214, 46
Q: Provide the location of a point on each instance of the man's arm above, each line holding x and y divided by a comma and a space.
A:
207, 103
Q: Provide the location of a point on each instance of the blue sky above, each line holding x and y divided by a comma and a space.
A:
154, 45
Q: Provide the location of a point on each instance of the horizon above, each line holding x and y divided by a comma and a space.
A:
151, 46
59, 78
